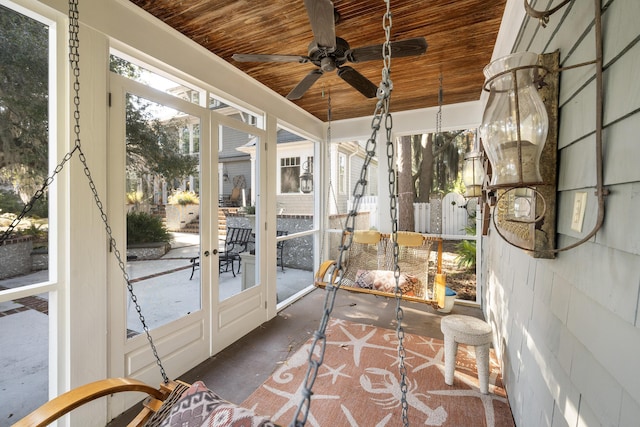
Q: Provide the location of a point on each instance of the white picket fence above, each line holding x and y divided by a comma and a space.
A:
422, 217
453, 216
452, 221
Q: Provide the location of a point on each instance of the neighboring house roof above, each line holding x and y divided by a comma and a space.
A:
283, 136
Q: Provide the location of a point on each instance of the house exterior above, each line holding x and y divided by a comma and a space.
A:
566, 330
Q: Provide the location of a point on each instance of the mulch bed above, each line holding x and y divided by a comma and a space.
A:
462, 280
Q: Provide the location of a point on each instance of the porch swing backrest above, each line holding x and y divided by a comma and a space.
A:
370, 265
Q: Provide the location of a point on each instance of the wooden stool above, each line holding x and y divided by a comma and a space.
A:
459, 329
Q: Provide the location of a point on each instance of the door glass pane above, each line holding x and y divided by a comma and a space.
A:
163, 212
24, 246
238, 234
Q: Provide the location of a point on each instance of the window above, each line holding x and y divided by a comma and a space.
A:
121, 65
27, 143
237, 113
290, 175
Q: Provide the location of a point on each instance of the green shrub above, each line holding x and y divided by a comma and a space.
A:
10, 202
466, 249
145, 228
184, 198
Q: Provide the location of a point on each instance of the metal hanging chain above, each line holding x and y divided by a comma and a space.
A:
439, 113
331, 194
393, 213
329, 116
319, 337
36, 196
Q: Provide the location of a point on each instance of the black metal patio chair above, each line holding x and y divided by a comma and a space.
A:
235, 243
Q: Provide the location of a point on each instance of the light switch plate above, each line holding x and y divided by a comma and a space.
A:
579, 206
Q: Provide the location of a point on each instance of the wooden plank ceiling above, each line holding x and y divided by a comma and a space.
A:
460, 36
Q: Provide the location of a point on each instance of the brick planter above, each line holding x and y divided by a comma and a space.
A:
142, 251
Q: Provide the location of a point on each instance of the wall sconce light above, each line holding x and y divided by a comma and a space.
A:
515, 125
473, 173
306, 178
225, 175
519, 129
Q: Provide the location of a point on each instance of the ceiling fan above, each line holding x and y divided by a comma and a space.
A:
329, 52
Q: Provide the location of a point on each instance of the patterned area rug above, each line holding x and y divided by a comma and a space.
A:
358, 384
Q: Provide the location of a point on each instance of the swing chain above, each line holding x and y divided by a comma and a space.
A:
74, 59
319, 338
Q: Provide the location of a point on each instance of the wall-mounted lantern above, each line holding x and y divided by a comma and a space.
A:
519, 129
473, 174
515, 123
306, 178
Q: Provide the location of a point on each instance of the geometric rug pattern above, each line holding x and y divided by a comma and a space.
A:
358, 384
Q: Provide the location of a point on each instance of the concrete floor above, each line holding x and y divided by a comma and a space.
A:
242, 367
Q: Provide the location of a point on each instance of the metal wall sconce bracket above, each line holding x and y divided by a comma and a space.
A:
526, 216
543, 16
600, 192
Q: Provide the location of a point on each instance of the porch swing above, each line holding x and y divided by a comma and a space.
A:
163, 401
369, 264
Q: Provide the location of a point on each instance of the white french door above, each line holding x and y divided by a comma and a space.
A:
158, 150
191, 309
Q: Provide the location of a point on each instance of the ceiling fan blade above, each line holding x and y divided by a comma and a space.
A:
358, 81
409, 47
322, 20
248, 57
305, 84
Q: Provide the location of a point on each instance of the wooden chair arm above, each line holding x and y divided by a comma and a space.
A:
72, 399
322, 271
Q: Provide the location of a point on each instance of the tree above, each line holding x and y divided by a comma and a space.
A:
446, 154
405, 185
422, 165
24, 93
153, 146
24, 121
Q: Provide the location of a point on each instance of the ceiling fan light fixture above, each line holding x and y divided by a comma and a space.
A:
327, 64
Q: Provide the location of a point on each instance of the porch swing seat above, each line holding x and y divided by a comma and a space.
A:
368, 266
175, 403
